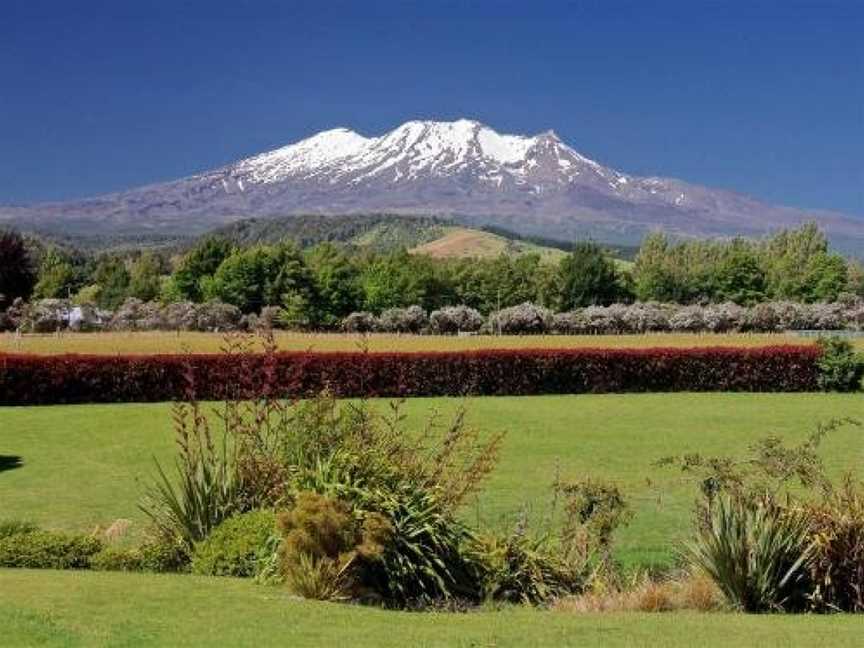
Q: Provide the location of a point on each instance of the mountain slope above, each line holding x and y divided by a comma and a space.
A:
532, 185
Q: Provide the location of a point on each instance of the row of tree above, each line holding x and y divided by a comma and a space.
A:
323, 284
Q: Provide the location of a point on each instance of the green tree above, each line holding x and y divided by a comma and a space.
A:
588, 277
263, 275
739, 276
400, 279
653, 274
113, 280
788, 257
337, 283
855, 278
145, 277
201, 262
58, 278
825, 277
17, 275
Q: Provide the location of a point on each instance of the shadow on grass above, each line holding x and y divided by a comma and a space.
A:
10, 462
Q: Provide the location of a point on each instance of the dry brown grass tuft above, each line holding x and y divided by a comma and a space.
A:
685, 592
117, 530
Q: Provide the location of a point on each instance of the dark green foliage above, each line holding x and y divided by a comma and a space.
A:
145, 277
59, 275
199, 264
113, 280
337, 282
755, 553
588, 278
382, 232
855, 278
840, 368
160, 554
165, 553
235, 546
17, 274
48, 550
425, 559
262, 276
793, 265
399, 280
519, 568
739, 276
13, 527
117, 559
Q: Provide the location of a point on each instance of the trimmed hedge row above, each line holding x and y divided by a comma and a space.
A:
40, 380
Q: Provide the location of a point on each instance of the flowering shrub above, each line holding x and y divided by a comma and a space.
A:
30, 380
403, 320
455, 319
360, 322
521, 319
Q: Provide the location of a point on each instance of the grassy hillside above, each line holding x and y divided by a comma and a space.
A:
461, 242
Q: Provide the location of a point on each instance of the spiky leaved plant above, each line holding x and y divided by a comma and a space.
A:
755, 553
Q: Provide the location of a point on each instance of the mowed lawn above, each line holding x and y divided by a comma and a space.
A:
49, 608
162, 342
87, 465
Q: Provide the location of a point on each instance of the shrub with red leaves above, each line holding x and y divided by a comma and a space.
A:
37, 380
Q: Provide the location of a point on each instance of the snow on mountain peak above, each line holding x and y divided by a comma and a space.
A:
434, 147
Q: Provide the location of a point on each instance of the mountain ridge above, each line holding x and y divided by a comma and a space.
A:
534, 185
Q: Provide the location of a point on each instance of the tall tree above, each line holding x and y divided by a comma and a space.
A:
337, 283
113, 280
588, 277
653, 275
145, 277
739, 276
263, 275
199, 264
58, 277
17, 274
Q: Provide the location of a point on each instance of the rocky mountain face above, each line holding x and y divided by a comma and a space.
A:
533, 185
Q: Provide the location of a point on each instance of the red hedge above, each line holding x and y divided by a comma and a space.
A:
40, 380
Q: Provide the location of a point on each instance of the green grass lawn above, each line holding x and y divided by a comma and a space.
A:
86, 465
47, 608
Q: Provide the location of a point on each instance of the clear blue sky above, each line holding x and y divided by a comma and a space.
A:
763, 97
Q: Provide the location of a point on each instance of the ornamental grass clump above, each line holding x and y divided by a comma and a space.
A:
757, 555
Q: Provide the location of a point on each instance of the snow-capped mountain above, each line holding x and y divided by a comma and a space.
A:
533, 185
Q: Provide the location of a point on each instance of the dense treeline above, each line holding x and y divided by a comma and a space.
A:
321, 285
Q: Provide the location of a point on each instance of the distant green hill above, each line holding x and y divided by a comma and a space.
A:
462, 242
434, 236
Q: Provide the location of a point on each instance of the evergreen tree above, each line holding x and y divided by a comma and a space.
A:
337, 283
199, 264
113, 280
587, 277
17, 275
